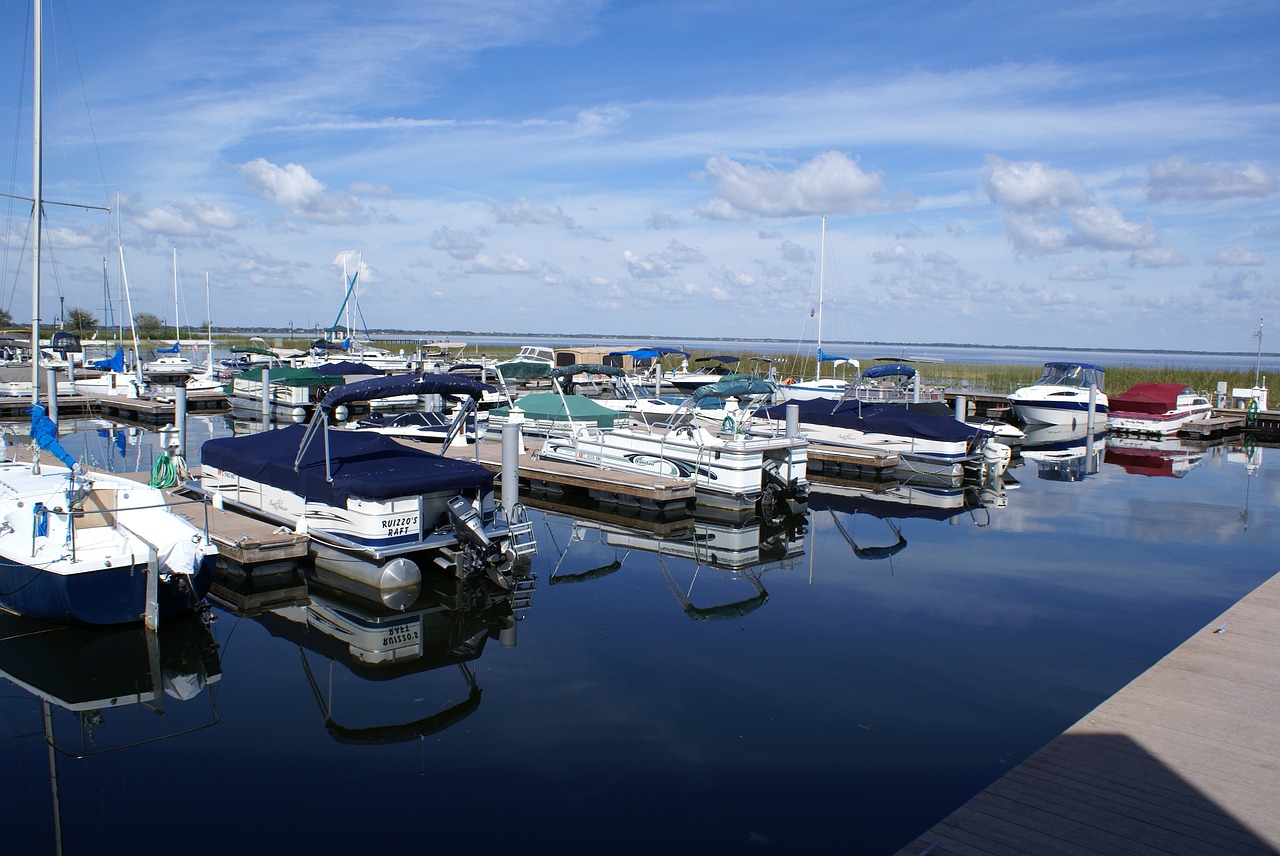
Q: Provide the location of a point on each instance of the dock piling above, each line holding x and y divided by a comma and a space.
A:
510, 467
180, 416
266, 398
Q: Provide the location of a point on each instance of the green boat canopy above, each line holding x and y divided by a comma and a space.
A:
548, 406
521, 369
288, 376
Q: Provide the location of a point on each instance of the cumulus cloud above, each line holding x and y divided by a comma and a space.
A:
664, 264
1235, 256
1178, 178
1103, 227
1079, 273
1051, 211
1031, 186
660, 220
187, 220
895, 254
522, 212
1239, 285
831, 183
459, 245
1156, 257
294, 189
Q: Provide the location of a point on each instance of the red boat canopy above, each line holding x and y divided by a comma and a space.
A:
1148, 398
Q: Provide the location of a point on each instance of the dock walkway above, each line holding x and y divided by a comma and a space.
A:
1184, 759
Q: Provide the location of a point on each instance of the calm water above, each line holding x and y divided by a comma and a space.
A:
831, 683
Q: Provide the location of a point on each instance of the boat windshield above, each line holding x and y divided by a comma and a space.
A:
1073, 374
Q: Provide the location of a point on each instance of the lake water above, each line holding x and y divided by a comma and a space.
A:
835, 682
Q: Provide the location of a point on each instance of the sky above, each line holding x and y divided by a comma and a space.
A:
1061, 174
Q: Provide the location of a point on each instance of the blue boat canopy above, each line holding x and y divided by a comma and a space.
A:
890, 370
172, 349
722, 358
393, 385
363, 463
649, 353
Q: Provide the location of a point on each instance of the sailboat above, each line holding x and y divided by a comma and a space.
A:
832, 388
82, 547
169, 361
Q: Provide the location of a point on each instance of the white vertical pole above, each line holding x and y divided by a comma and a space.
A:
37, 180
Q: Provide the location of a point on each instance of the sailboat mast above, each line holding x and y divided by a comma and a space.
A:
822, 276
177, 325
37, 180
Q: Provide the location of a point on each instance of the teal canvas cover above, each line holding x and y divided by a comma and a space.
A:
548, 406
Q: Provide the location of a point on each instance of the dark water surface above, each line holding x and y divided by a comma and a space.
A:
832, 683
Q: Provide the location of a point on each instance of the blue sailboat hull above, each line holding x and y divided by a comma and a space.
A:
99, 597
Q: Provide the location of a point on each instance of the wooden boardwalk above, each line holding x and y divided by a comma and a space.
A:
1183, 760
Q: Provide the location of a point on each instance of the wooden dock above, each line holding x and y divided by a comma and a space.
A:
152, 410
242, 539
1185, 759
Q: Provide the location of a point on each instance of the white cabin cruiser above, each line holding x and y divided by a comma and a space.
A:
1157, 409
1062, 396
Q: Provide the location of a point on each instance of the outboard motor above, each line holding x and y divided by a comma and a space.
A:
481, 552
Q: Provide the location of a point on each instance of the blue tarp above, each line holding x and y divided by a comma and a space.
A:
877, 418
45, 435
174, 349
363, 463
115, 363
393, 385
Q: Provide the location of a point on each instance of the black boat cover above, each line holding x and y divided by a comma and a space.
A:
393, 385
364, 464
877, 418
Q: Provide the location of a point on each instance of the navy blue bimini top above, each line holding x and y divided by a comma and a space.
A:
364, 464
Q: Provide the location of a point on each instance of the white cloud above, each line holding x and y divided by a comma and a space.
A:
1079, 273
1031, 186
1156, 257
1032, 238
294, 189
1103, 227
831, 183
459, 245
1178, 178
522, 212
1235, 256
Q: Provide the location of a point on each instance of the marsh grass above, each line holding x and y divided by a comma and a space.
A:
977, 377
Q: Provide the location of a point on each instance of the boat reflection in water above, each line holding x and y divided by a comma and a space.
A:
1166, 457
1064, 452
118, 685
893, 503
446, 625
740, 548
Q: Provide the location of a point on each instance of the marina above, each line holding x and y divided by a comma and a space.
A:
924, 577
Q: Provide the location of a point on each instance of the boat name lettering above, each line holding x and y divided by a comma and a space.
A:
396, 636
400, 525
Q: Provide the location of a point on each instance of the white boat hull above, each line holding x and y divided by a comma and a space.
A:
734, 472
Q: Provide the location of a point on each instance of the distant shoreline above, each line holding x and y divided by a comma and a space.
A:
443, 335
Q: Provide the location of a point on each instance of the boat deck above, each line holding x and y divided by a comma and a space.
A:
243, 539
656, 489
1185, 759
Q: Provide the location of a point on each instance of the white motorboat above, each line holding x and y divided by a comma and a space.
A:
1157, 409
1063, 396
731, 469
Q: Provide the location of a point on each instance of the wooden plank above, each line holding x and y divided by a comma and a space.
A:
1185, 759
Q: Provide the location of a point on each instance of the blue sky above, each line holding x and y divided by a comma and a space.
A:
1082, 174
